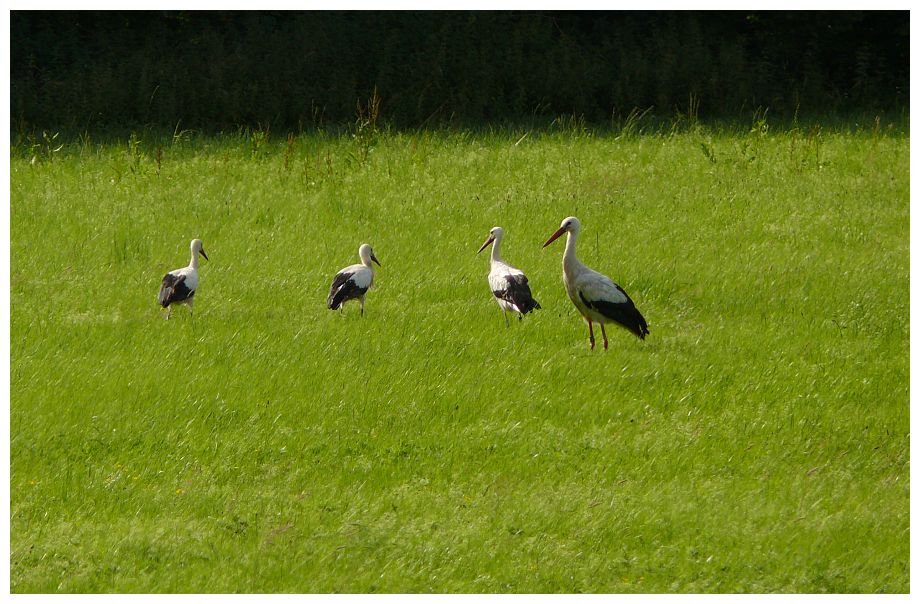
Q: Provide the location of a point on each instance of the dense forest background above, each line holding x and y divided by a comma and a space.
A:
216, 70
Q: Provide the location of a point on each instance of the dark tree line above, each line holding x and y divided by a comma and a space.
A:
85, 69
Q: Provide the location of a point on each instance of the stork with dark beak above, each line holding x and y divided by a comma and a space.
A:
352, 282
179, 286
597, 298
508, 284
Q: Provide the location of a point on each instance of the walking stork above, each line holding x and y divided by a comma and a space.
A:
596, 297
179, 286
508, 284
352, 282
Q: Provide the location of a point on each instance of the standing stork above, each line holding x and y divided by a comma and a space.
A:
352, 282
596, 297
509, 285
179, 286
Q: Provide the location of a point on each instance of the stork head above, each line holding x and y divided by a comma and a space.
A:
367, 254
495, 234
198, 248
569, 225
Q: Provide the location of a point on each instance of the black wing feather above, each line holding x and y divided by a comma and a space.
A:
624, 313
343, 289
174, 290
518, 293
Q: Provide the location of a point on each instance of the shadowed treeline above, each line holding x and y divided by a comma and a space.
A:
87, 70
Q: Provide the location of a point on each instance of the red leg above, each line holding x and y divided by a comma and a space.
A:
604, 331
591, 333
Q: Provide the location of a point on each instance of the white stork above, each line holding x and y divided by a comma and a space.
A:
596, 297
179, 286
508, 284
352, 282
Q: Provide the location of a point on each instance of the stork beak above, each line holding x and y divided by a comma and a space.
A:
486, 244
201, 251
374, 258
554, 236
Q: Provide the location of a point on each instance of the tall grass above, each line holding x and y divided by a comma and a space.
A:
756, 441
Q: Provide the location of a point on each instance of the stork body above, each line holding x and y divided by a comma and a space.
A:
352, 282
179, 286
508, 284
596, 296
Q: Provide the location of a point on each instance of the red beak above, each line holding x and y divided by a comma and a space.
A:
554, 236
486, 244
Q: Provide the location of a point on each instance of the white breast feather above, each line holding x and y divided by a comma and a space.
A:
497, 275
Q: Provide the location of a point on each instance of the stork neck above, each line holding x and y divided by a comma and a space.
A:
193, 263
568, 257
496, 254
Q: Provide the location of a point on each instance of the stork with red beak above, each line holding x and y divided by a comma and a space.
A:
597, 298
508, 284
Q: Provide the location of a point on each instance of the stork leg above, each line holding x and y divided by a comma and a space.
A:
362, 306
505, 314
604, 331
168, 312
190, 303
591, 333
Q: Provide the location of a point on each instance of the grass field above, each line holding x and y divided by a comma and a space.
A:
757, 441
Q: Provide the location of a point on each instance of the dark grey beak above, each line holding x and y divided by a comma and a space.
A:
203, 254
374, 258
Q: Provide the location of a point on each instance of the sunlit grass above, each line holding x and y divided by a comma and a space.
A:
756, 441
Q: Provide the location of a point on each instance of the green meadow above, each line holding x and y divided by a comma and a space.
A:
756, 441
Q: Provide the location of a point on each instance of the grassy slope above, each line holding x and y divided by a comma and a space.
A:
757, 441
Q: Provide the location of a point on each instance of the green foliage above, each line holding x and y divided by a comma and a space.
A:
257, 139
759, 124
631, 125
158, 158
297, 70
757, 441
572, 125
42, 149
135, 153
289, 152
687, 121
366, 131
